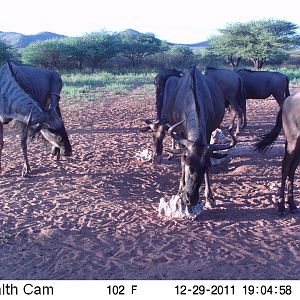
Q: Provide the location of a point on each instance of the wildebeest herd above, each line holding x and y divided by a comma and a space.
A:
190, 106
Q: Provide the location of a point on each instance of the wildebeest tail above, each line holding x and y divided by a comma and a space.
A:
269, 138
287, 91
242, 100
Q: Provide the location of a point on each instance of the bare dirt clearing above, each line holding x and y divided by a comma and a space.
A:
95, 216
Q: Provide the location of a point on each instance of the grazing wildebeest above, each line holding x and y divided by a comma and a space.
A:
231, 85
16, 104
159, 82
194, 106
288, 117
44, 86
160, 126
262, 84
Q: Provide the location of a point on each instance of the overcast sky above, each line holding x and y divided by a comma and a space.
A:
184, 21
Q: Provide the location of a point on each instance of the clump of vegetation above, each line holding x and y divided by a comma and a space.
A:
293, 73
255, 41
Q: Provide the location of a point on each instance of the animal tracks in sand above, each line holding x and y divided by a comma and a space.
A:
94, 216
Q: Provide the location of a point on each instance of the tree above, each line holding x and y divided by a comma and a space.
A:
256, 41
47, 53
137, 46
75, 51
100, 47
7, 51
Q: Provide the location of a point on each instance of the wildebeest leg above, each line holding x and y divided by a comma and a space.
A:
182, 182
170, 156
55, 151
244, 112
285, 170
54, 102
236, 112
233, 115
209, 198
26, 168
290, 183
1, 142
279, 98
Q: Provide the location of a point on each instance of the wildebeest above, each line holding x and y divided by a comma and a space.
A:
231, 85
262, 84
160, 127
44, 86
288, 117
194, 107
159, 82
16, 104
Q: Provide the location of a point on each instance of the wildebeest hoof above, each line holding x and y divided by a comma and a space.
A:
26, 171
25, 174
210, 204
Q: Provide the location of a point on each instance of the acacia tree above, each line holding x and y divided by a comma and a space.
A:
100, 48
47, 53
256, 41
7, 51
135, 47
75, 51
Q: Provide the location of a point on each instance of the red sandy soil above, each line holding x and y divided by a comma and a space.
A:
94, 216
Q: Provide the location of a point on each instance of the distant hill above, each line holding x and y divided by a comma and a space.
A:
195, 45
19, 40
130, 32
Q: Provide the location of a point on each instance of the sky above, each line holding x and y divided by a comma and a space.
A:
184, 21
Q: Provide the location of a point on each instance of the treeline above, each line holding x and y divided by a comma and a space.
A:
251, 44
104, 51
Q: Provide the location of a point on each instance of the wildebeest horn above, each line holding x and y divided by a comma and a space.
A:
153, 125
29, 123
185, 142
29, 120
37, 121
214, 147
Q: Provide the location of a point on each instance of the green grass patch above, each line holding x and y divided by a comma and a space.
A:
84, 86
293, 73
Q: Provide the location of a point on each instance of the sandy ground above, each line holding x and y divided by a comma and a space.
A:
94, 216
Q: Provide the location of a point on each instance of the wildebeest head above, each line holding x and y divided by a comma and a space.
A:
195, 160
52, 128
159, 130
